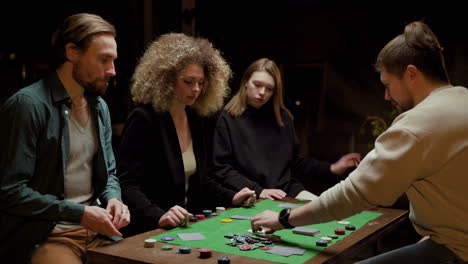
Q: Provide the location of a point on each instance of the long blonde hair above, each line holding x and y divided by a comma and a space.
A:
155, 76
238, 103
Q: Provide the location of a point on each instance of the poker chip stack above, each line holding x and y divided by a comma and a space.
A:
207, 213
220, 210
321, 243
184, 250
224, 260
149, 243
167, 247
200, 216
205, 252
340, 231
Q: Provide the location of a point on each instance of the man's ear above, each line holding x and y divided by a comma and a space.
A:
412, 72
72, 52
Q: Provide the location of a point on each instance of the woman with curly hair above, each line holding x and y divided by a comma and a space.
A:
256, 116
166, 144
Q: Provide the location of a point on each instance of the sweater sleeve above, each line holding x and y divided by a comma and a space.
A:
380, 179
303, 165
215, 191
224, 162
221, 195
132, 163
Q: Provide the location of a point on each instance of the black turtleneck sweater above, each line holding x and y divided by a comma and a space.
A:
252, 150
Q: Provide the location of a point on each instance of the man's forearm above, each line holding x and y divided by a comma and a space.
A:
301, 216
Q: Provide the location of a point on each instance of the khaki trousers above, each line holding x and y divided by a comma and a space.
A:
67, 246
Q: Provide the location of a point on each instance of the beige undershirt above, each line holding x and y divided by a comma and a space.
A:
190, 165
78, 178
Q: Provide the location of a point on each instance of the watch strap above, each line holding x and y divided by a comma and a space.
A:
283, 218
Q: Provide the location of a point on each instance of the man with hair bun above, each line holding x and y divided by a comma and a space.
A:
57, 167
423, 154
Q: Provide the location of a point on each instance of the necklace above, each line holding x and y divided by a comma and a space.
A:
80, 107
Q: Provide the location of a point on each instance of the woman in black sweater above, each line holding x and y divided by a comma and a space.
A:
255, 143
166, 144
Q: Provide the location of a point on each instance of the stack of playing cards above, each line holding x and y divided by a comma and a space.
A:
306, 231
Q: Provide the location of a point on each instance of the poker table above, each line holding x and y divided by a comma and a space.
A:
370, 226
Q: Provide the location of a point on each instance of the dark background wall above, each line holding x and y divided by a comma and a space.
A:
325, 49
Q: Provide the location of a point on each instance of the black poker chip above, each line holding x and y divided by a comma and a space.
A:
224, 260
321, 243
184, 250
207, 213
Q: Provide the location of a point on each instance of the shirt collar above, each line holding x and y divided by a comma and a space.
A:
59, 94
58, 90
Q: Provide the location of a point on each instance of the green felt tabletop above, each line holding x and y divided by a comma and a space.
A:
214, 230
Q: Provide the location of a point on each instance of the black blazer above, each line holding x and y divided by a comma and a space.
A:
151, 170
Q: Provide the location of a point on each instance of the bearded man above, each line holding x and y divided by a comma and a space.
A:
58, 192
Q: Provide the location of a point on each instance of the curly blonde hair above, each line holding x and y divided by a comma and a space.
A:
155, 76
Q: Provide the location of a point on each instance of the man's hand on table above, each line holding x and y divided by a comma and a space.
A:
268, 219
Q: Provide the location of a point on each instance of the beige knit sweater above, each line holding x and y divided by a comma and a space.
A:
423, 154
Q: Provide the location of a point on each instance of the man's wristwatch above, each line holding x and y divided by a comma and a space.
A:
283, 218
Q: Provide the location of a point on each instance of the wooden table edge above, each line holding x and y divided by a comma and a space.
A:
327, 256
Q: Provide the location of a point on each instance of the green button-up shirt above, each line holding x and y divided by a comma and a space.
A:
34, 149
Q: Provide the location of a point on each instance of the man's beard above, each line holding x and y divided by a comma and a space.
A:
91, 88
400, 108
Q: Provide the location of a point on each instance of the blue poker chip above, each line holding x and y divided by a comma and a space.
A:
167, 238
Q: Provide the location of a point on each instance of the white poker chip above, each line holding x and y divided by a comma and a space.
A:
149, 243
344, 222
328, 239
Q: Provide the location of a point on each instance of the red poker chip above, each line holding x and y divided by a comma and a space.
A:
205, 252
265, 248
200, 217
245, 247
340, 231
